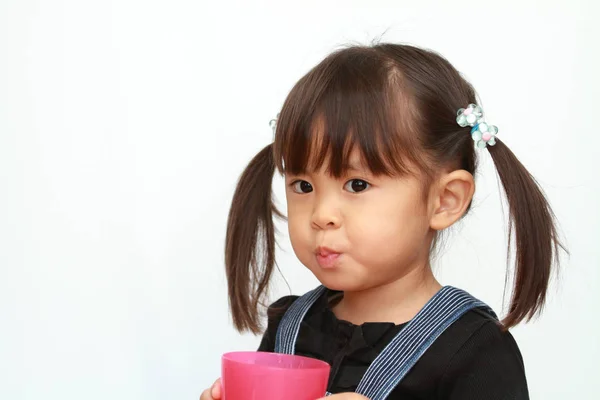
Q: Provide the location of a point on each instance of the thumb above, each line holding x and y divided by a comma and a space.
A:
215, 390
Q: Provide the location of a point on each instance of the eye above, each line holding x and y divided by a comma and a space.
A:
356, 185
302, 187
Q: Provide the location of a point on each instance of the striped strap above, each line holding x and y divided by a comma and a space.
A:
287, 332
405, 349
402, 353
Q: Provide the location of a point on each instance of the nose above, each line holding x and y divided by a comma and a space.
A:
326, 214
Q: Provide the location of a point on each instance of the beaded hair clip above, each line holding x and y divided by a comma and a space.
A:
273, 125
482, 133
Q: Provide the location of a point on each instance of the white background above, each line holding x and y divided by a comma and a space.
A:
124, 126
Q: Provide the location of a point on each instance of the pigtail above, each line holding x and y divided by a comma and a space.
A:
532, 223
250, 241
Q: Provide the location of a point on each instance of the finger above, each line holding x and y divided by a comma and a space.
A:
215, 390
205, 395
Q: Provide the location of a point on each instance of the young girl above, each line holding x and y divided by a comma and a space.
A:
379, 146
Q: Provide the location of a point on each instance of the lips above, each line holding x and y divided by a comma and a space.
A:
327, 257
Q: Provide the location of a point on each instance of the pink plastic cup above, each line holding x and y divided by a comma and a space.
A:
254, 375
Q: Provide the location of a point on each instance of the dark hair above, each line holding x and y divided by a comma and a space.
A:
397, 104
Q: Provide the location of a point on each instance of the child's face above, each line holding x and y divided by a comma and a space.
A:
358, 231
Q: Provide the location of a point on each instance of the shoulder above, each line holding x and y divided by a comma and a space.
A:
471, 326
275, 313
477, 330
484, 360
277, 309
478, 334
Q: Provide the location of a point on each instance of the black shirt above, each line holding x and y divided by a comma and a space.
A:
473, 359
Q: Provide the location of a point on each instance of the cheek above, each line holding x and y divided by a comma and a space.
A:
300, 239
298, 229
294, 230
391, 227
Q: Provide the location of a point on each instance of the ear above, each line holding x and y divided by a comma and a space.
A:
450, 198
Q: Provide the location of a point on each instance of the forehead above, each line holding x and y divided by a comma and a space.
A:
333, 153
352, 161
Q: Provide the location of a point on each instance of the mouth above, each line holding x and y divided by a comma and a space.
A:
327, 257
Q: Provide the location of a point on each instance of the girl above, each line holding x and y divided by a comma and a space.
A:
379, 146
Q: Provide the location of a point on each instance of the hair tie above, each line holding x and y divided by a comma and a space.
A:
482, 133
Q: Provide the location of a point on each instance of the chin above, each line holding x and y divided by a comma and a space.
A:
339, 281
345, 276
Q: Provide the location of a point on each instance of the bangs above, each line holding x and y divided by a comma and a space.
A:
353, 100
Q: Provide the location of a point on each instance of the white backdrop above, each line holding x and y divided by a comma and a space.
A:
124, 126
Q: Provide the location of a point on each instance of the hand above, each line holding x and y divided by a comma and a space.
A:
212, 393
345, 396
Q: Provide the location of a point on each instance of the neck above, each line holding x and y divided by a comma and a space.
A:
398, 301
